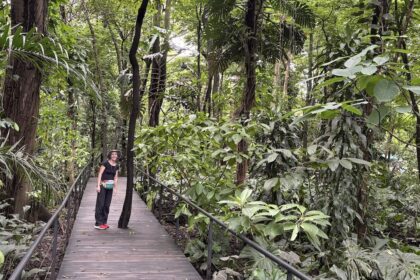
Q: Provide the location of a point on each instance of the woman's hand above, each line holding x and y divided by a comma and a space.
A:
98, 188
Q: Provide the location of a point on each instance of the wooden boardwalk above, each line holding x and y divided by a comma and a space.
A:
144, 251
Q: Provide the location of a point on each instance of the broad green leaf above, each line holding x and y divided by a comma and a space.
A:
369, 70
381, 60
378, 115
414, 89
353, 61
333, 164
287, 153
294, 233
403, 109
351, 109
346, 164
270, 183
272, 157
385, 90
245, 195
370, 83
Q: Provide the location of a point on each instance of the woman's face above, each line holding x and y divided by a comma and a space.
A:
114, 155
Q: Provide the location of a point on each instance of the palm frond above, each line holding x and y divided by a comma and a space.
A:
299, 11
40, 50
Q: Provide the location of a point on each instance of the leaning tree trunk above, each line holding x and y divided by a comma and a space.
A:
250, 48
137, 94
21, 97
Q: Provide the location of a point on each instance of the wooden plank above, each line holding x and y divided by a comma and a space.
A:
144, 251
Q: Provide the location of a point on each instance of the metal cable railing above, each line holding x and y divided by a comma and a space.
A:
71, 202
291, 271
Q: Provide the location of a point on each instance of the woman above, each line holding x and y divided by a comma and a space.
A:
107, 184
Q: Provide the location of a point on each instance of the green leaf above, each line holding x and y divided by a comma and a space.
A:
312, 149
294, 233
403, 109
270, 183
272, 157
237, 138
370, 83
359, 161
346, 164
273, 230
385, 90
381, 60
369, 70
330, 82
351, 109
1, 258
414, 89
378, 115
353, 61
333, 164
245, 195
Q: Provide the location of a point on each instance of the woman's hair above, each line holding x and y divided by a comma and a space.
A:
113, 151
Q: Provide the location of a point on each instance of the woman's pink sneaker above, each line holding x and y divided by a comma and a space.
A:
107, 226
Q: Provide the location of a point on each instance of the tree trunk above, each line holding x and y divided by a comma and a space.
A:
286, 92
308, 89
402, 29
99, 79
207, 98
216, 89
71, 113
154, 94
379, 25
250, 48
137, 94
21, 97
198, 10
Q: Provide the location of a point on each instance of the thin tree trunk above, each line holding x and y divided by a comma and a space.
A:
99, 78
250, 48
137, 94
379, 25
207, 98
154, 98
286, 80
71, 113
216, 88
21, 97
415, 108
308, 89
199, 25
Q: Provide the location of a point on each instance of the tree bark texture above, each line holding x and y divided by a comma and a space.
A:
21, 97
250, 48
137, 94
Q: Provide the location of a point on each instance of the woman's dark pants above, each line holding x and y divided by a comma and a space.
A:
103, 201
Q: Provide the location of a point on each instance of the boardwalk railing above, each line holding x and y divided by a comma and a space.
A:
282, 264
70, 202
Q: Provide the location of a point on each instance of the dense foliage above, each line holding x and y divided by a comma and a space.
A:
295, 122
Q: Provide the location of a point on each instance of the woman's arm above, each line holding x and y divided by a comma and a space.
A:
101, 170
116, 181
